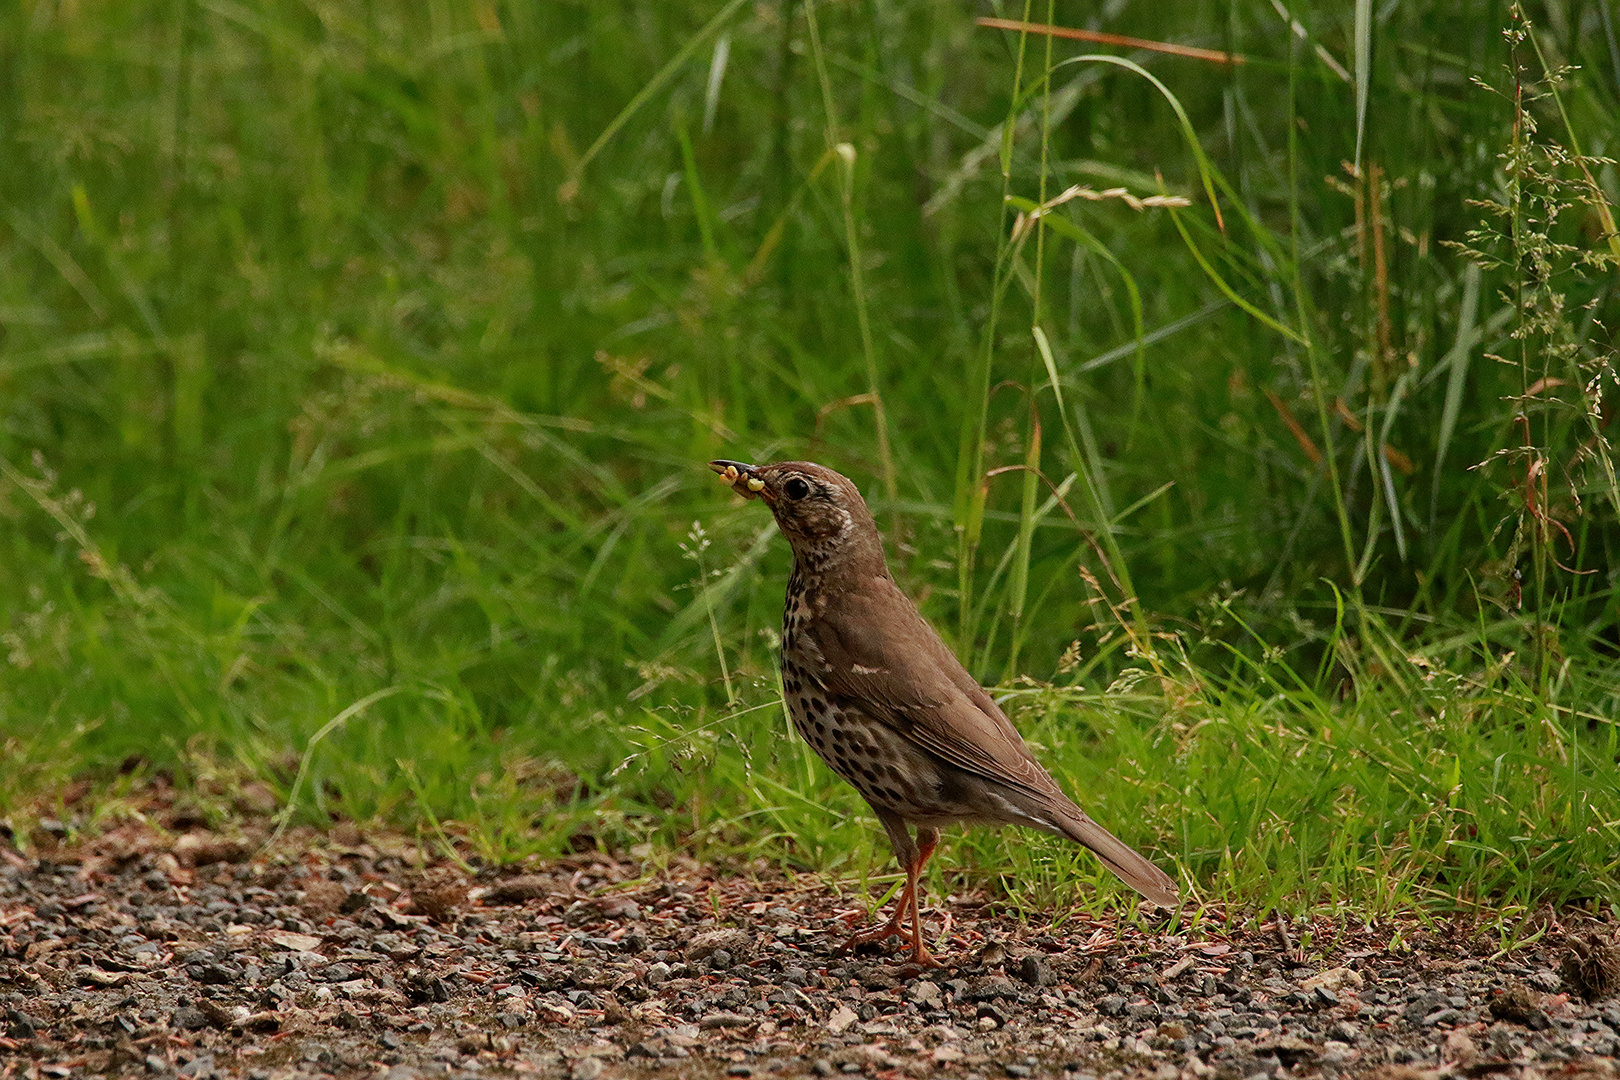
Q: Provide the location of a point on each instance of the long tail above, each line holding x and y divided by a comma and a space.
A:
1126, 864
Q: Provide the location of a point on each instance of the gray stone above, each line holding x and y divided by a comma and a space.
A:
216, 974
189, 1019
1422, 1005
923, 993
989, 988
201, 1067
1035, 971
20, 1025
706, 942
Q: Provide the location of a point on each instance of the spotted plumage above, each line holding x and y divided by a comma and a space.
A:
882, 700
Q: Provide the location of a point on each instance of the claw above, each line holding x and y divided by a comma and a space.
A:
921, 957
890, 929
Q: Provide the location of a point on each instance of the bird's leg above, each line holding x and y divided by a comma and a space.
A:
906, 851
927, 841
915, 858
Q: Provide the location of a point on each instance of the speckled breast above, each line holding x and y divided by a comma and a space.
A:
883, 766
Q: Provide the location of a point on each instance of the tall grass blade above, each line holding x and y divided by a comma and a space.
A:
717, 76
1363, 48
1455, 363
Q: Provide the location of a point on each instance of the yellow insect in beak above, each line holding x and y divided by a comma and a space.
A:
739, 477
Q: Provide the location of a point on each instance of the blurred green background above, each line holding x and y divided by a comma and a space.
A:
369, 354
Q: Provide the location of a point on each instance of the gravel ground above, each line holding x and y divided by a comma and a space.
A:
139, 953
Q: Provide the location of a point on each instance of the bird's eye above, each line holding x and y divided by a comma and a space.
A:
795, 488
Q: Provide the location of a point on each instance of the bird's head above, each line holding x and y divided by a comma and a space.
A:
816, 508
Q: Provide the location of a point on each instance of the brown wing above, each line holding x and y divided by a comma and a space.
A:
881, 652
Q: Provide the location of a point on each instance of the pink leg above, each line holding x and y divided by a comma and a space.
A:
927, 841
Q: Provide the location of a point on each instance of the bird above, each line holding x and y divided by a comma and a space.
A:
881, 698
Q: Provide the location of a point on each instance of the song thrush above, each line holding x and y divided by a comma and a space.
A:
870, 685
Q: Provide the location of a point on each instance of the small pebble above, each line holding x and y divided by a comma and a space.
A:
1035, 971
1446, 1017
923, 993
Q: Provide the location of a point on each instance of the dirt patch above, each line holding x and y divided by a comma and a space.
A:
143, 953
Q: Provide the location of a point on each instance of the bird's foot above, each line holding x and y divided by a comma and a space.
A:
892, 928
921, 957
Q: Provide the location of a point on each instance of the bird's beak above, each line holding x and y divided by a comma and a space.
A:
742, 478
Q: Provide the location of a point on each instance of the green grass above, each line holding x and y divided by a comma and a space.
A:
359, 366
